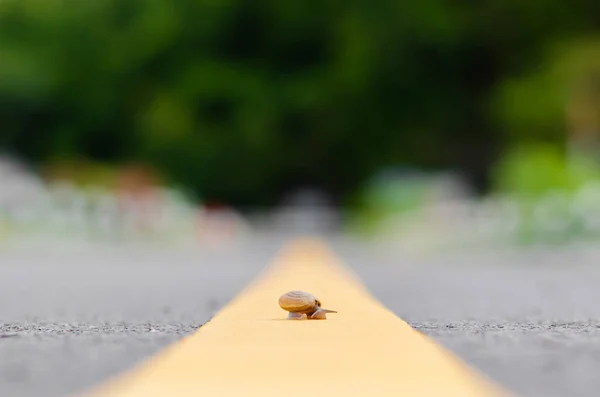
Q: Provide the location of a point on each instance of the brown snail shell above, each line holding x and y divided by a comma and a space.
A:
301, 304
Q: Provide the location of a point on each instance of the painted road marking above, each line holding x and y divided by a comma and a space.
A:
250, 349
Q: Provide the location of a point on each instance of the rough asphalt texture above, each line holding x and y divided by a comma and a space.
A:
530, 320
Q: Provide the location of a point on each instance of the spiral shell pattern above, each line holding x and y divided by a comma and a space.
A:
298, 302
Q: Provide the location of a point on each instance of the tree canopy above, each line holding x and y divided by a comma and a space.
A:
243, 100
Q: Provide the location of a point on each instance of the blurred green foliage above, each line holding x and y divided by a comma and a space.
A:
531, 171
243, 100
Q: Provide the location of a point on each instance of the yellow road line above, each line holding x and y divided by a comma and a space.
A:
250, 349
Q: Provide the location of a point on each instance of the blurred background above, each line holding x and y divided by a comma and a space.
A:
193, 121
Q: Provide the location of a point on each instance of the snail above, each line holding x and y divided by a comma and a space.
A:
301, 304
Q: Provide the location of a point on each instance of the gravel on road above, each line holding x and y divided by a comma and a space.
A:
68, 320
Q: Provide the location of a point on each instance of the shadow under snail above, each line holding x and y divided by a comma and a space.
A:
302, 305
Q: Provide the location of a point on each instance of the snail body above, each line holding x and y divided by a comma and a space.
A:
301, 305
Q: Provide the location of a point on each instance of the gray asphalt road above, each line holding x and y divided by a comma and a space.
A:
530, 321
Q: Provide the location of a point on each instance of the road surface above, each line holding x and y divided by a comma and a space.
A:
70, 319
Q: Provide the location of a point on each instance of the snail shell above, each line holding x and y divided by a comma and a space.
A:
301, 304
